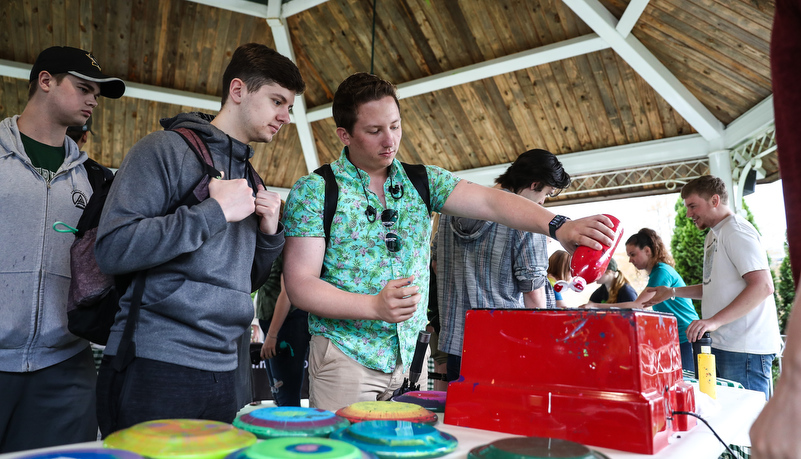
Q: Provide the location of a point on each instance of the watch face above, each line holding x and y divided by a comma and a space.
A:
555, 224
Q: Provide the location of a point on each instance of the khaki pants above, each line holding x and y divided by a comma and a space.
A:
336, 380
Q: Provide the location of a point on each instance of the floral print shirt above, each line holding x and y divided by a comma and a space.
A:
357, 259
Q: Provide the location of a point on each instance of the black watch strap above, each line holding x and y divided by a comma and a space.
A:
556, 223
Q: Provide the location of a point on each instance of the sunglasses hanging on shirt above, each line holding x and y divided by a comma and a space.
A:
388, 218
396, 191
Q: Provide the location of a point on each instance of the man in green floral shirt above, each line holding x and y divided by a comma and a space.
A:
362, 290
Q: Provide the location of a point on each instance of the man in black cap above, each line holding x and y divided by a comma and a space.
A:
47, 375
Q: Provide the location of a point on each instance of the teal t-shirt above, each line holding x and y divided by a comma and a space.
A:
45, 158
682, 308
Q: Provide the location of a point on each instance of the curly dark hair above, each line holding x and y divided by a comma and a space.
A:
535, 165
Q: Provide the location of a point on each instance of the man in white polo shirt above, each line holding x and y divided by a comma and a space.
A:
737, 291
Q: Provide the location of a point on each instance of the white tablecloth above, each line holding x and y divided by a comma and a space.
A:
736, 411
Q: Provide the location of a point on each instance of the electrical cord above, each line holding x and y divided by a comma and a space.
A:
688, 413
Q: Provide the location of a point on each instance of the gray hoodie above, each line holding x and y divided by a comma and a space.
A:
34, 259
197, 294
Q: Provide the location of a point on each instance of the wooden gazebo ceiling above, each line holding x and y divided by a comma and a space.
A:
710, 58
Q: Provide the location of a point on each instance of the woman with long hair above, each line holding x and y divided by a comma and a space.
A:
647, 252
615, 288
559, 270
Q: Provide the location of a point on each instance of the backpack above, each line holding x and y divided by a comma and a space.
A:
94, 296
417, 175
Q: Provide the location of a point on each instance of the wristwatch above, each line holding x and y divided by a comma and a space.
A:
556, 223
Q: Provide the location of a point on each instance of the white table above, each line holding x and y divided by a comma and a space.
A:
739, 409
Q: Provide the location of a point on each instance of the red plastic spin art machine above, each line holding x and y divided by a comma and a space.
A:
602, 377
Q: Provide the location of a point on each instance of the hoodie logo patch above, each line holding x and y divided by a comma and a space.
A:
79, 199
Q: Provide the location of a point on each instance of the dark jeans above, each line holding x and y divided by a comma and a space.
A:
49, 407
753, 371
687, 362
148, 390
287, 369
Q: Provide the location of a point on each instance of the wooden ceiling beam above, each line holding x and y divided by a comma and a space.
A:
249, 8
525, 59
261, 10
132, 90
684, 148
631, 16
675, 149
604, 23
283, 44
15, 69
750, 123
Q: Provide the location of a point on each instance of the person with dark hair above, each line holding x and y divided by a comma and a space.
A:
80, 134
646, 251
737, 290
483, 264
362, 287
615, 288
47, 374
201, 262
559, 270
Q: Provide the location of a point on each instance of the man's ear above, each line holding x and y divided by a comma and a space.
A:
44, 80
236, 90
533, 186
715, 200
343, 135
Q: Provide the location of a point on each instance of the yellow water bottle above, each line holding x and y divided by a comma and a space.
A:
707, 379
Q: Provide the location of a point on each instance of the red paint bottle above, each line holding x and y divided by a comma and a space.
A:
587, 265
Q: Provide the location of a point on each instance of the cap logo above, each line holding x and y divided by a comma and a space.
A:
94, 61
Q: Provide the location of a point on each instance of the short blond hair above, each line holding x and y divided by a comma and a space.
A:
706, 187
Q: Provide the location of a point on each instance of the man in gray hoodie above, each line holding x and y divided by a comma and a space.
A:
47, 374
202, 261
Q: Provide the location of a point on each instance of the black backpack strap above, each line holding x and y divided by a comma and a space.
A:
98, 175
100, 179
126, 351
419, 177
255, 179
331, 196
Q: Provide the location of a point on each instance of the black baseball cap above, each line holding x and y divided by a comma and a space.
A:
80, 63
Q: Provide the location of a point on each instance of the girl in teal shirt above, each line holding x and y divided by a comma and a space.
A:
647, 252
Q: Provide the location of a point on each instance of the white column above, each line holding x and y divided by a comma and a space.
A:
720, 166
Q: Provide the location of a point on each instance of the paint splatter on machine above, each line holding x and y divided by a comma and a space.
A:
608, 378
